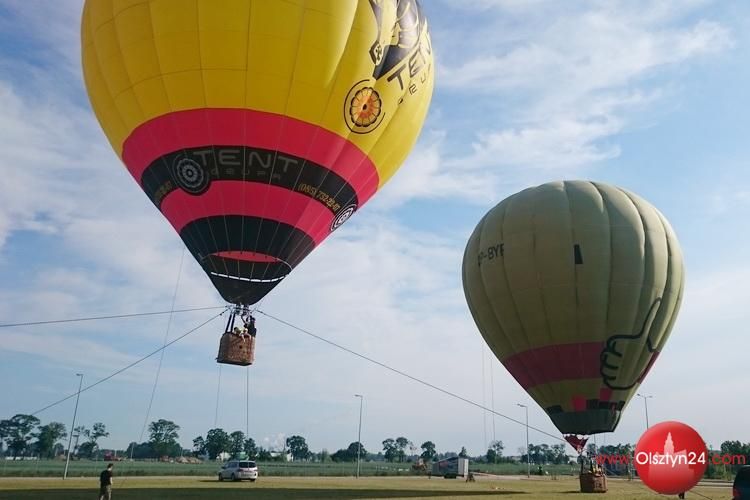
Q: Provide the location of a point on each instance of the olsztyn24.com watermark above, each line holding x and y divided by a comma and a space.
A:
690, 458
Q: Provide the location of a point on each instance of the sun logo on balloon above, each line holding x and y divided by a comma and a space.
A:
363, 108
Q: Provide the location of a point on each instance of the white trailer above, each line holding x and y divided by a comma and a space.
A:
451, 468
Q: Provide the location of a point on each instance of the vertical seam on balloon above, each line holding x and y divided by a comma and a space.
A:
476, 234
244, 130
668, 321
284, 118
209, 128
101, 73
575, 279
553, 388
680, 290
150, 134
172, 119
482, 290
611, 256
132, 85
527, 369
632, 371
375, 172
333, 81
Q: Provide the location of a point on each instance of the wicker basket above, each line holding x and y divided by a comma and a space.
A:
593, 483
236, 349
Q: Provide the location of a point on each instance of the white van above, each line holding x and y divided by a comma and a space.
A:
237, 470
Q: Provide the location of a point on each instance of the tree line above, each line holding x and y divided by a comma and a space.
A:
24, 435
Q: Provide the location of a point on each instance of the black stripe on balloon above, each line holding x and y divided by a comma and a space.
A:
224, 233
193, 170
554, 409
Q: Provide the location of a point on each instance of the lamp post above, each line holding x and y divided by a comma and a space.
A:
359, 433
645, 405
72, 427
528, 455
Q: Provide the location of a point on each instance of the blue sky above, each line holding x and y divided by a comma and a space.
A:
649, 97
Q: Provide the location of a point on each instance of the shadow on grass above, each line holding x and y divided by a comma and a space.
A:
242, 493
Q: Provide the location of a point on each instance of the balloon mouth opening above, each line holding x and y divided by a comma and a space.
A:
248, 279
247, 267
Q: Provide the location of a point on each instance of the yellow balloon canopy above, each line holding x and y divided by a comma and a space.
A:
575, 286
257, 127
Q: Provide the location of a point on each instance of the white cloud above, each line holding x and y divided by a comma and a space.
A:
550, 93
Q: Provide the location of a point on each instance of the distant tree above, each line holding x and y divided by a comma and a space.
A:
298, 447
736, 448
463, 453
350, 453
86, 450
163, 436
402, 443
264, 455
495, 452
139, 451
79, 432
558, 455
324, 456
90, 447
199, 445
428, 451
354, 448
412, 450
391, 450
47, 436
16, 432
236, 443
217, 441
98, 430
251, 448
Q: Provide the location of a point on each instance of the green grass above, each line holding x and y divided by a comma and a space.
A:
173, 488
90, 468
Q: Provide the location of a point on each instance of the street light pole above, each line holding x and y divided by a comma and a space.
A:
645, 405
528, 455
359, 433
72, 427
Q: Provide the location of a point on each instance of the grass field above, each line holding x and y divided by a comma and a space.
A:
169, 488
90, 468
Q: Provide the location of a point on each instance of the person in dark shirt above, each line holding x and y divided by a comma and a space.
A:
105, 483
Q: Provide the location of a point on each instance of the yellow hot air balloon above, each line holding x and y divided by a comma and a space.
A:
575, 286
257, 127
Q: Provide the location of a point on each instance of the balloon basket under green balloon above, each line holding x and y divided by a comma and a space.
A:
593, 482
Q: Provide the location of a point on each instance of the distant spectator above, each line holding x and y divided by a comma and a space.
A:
105, 483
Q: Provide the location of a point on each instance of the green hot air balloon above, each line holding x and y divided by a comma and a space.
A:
575, 286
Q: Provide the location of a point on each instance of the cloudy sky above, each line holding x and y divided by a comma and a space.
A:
651, 96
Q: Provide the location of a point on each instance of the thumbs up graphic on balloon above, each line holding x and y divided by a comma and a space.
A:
612, 359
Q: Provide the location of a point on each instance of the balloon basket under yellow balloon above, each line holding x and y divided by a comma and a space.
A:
236, 349
593, 482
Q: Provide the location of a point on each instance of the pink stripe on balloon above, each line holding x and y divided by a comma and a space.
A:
245, 127
555, 363
235, 198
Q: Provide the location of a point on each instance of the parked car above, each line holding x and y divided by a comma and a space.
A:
237, 470
741, 489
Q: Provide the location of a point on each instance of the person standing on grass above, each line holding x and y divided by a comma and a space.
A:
105, 483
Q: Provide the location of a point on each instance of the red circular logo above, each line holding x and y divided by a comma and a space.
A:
671, 458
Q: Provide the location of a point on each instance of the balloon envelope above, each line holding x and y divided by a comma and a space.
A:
575, 287
257, 127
